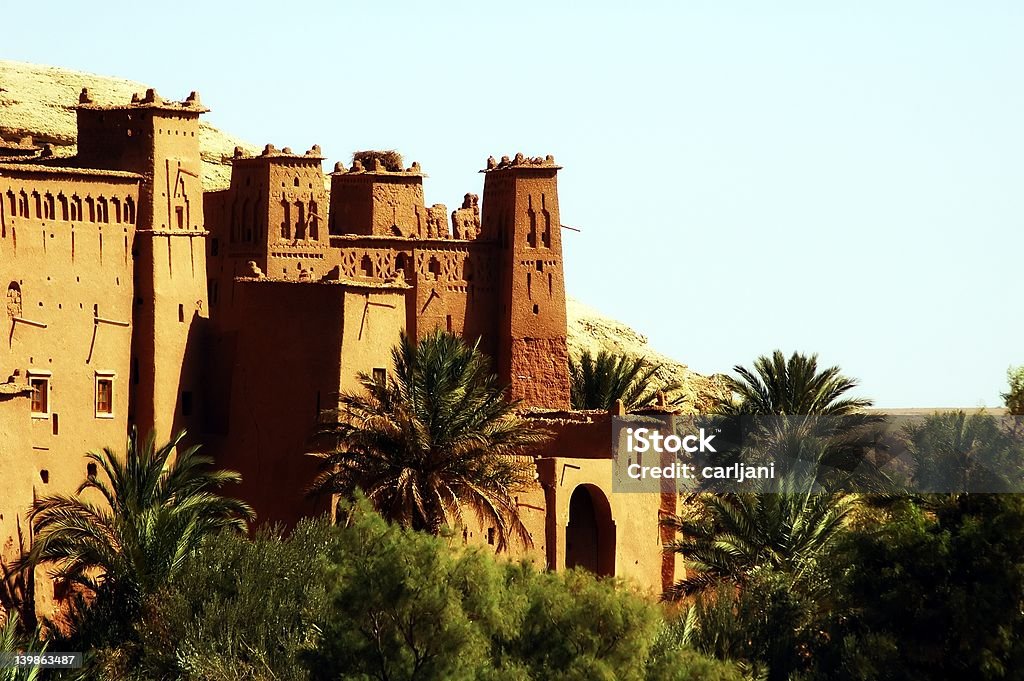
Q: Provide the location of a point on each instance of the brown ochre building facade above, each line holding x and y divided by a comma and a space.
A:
132, 297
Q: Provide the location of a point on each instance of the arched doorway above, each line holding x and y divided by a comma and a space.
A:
590, 534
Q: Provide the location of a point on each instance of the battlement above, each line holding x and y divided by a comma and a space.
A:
270, 152
149, 100
521, 161
377, 168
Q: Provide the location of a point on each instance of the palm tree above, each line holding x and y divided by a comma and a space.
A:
954, 453
760, 579
437, 436
781, 403
154, 511
597, 382
793, 387
757, 562
738, 535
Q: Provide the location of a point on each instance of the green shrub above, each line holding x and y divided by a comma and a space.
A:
242, 608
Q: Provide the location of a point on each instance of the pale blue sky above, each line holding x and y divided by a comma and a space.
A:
840, 178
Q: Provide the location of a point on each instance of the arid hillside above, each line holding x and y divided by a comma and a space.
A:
591, 330
40, 100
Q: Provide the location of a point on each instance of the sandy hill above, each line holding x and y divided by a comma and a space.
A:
40, 100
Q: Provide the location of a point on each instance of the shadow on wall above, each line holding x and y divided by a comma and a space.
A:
590, 534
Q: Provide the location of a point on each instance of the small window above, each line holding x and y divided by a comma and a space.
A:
40, 395
181, 313
380, 376
490, 536
104, 395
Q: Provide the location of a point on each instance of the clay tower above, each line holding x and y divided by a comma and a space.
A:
377, 201
520, 214
160, 141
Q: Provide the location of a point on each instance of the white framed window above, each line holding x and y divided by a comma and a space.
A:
104, 394
39, 381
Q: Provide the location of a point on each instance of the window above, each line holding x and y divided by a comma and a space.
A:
104, 395
40, 384
380, 376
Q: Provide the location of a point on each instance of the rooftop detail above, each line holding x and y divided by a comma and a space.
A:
33, 168
150, 100
377, 168
521, 161
272, 152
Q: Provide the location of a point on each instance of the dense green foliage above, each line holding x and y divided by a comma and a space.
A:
368, 599
598, 382
933, 590
956, 452
827, 585
435, 438
738, 536
241, 608
126, 531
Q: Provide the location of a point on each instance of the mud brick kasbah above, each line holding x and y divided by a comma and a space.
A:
133, 297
